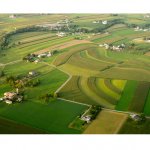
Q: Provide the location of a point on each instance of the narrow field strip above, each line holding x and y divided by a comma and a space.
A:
93, 95
63, 58
140, 96
127, 96
107, 90
108, 83
100, 87
63, 46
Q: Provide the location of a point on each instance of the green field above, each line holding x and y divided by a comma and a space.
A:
51, 118
12, 127
127, 96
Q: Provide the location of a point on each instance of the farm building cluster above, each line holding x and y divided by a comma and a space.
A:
11, 97
141, 29
61, 34
87, 118
90, 114
37, 57
112, 47
99, 21
135, 117
12, 16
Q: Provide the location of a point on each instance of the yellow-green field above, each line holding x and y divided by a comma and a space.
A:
107, 122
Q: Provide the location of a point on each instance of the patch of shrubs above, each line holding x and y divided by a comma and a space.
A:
46, 97
32, 83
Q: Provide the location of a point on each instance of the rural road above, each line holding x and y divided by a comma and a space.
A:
11, 63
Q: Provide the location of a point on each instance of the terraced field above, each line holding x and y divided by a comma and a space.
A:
92, 91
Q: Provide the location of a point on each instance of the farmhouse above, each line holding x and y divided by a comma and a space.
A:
146, 16
86, 118
49, 54
61, 34
42, 55
141, 29
36, 61
95, 21
12, 16
1, 99
135, 117
8, 102
32, 73
104, 22
10, 95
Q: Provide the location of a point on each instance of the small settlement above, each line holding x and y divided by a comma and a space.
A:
11, 97
112, 47
37, 57
141, 29
135, 117
104, 22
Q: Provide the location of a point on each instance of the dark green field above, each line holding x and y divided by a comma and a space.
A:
12, 127
131, 127
51, 118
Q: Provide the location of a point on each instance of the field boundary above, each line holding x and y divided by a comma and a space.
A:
63, 99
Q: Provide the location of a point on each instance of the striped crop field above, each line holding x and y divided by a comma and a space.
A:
140, 97
92, 91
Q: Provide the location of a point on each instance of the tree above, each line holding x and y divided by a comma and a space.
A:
45, 98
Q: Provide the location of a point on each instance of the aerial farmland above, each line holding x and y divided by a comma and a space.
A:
74, 73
